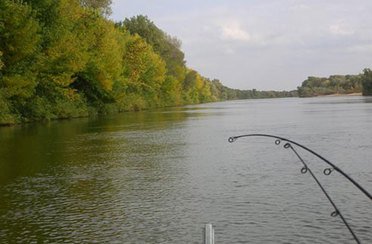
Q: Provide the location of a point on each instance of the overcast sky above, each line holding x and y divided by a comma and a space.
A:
264, 44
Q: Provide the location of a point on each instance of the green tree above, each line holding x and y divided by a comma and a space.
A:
197, 88
103, 6
334, 84
366, 79
171, 91
19, 45
144, 73
63, 54
166, 46
190, 91
105, 46
205, 94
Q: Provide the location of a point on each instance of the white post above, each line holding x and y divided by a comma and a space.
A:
208, 234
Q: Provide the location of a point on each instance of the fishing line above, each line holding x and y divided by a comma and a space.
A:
305, 169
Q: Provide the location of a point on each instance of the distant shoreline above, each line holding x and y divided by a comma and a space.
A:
341, 94
334, 95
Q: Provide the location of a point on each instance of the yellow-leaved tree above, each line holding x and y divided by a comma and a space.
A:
144, 72
19, 46
104, 67
19, 42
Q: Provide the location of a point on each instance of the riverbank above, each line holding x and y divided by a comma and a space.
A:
110, 109
334, 95
343, 95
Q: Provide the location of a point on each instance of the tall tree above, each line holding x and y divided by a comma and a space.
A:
103, 6
19, 45
144, 71
19, 49
64, 52
104, 65
367, 82
166, 46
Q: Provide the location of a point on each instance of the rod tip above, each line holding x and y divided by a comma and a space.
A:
231, 139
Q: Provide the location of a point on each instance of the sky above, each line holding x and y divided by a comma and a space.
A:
264, 44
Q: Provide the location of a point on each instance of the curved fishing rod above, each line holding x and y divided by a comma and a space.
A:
306, 169
326, 171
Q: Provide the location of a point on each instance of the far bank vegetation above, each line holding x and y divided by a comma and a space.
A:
337, 84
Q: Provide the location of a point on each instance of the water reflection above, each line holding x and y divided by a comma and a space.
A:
26, 150
78, 178
368, 99
339, 100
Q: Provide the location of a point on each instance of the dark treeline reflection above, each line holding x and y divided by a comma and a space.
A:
28, 149
69, 180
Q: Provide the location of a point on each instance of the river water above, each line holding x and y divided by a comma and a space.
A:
159, 176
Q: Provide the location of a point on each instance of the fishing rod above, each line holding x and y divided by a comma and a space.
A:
305, 169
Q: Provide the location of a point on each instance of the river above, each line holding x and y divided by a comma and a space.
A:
159, 176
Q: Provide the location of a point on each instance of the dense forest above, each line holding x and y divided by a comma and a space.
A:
63, 59
337, 84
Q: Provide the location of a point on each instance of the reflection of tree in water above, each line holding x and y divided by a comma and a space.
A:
78, 178
33, 148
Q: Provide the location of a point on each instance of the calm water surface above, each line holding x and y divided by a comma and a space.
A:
158, 177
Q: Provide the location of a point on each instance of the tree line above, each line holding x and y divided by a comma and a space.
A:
65, 58
337, 84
